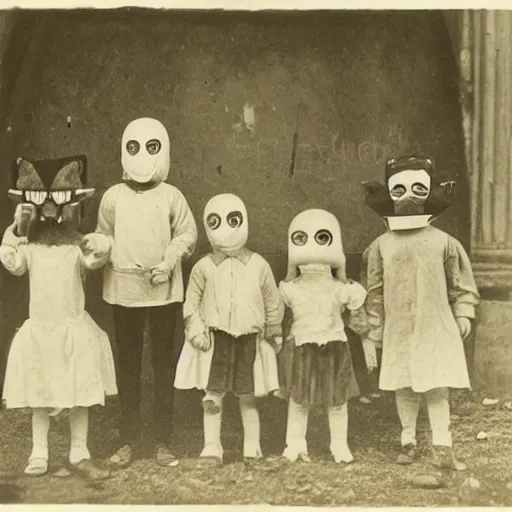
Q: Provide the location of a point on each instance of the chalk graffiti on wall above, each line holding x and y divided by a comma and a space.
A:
336, 154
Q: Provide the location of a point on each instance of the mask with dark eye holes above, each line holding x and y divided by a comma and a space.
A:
145, 151
410, 198
226, 223
409, 191
314, 238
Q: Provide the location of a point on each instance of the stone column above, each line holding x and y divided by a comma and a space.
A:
482, 41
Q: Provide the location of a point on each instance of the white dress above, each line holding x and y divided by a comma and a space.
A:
419, 282
59, 357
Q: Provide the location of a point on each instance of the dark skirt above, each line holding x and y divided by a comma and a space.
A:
232, 368
314, 375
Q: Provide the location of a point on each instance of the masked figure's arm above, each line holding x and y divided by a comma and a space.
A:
274, 308
375, 288
462, 290
183, 229
196, 331
13, 252
95, 250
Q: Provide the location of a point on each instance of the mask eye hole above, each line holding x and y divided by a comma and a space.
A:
36, 197
133, 147
420, 190
398, 191
153, 146
213, 221
299, 238
323, 237
235, 219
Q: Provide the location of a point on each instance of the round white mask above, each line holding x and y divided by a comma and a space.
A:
409, 191
314, 237
226, 224
145, 151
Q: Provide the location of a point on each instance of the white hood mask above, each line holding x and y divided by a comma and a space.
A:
145, 151
314, 238
226, 224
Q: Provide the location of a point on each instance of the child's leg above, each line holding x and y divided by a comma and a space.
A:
438, 404
79, 428
212, 422
408, 405
338, 426
296, 429
439, 415
251, 424
79, 456
38, 460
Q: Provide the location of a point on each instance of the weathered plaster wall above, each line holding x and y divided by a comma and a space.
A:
234, 91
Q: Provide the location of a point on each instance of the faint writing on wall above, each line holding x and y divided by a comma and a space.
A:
335, 153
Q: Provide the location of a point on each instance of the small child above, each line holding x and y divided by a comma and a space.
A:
233, 317
59, 358
421, 300
315, 363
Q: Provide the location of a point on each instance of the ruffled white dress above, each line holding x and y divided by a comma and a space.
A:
59, 358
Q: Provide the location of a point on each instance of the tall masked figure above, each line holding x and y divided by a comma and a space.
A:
233, 317
315, 363
421, 300
151, 229
59, 358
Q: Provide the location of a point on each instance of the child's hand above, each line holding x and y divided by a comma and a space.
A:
88, 245
10, 238
370, 354
160, 273
201, 342
277, 343
464, 326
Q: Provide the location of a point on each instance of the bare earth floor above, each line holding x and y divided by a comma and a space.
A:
373, 480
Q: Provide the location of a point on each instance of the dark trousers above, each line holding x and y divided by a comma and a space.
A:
129, 326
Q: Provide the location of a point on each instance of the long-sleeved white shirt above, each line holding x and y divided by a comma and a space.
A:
236, 294
145, 228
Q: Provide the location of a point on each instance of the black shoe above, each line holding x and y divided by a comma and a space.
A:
122, 458
407, 455
164, 457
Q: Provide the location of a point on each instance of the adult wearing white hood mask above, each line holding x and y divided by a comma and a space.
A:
232, 310
152, 229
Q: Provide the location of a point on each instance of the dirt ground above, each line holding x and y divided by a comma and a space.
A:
373, 480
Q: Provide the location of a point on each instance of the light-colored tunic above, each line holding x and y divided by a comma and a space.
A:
238, 295
60, 357
418, 282
145, 228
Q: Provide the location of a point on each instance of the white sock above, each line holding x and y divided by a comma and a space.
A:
212, 423
251, 424
296, 429
40, 427
78, 426
408, 405
338, 426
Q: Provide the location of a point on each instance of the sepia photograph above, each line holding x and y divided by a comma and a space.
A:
256, 256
